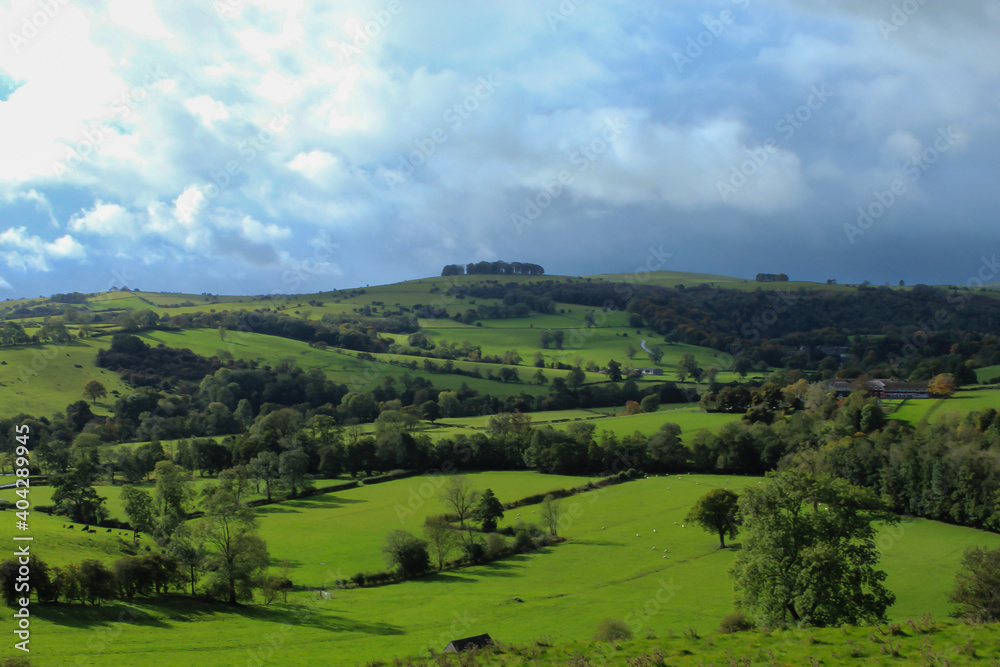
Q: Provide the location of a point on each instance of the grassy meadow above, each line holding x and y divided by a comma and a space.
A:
613, 564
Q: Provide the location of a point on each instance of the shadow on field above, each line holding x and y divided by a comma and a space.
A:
166, 613
89, 616
599, 543
445, 578
499, 569
311, 618
325, 501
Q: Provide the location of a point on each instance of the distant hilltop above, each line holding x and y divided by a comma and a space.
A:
495, 268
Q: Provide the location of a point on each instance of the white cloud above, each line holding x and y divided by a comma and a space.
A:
208, 110
105, 220
313, 164
4, 284
258, 232
33, 252
140, 16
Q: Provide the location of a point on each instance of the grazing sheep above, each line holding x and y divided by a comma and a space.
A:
654, 530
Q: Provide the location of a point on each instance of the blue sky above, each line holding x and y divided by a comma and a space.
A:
264, 146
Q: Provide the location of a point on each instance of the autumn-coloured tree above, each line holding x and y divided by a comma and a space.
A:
633, 408
942, 385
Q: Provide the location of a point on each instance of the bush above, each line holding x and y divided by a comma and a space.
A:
359, 579
736, 622
475, 552
407, 552
496, 546
523, 542
611, 630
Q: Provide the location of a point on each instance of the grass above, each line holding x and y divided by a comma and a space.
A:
961, 403
603, 570
690, 419
43, 379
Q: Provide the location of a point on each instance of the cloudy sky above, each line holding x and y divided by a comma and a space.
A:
262, 146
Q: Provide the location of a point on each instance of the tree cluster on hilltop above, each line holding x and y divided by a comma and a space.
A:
493, 268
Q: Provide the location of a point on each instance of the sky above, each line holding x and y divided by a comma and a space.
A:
284, 146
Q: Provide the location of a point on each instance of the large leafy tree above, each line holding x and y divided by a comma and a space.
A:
716, 512
74, 494
488, 511
235, 555
809, 553
977, 586
172, 495
140, 509
94, 390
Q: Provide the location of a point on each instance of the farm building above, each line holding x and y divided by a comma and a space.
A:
461, 645
649, 371
886, 389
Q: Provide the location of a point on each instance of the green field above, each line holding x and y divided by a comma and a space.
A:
962, 403
604, 569
43, 379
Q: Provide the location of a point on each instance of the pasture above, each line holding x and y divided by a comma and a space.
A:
959, 404
613, 564
43, 379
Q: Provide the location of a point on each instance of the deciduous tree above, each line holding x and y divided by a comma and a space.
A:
809, 552
488, 511
94, 390
977, 586
140, 509
716, 512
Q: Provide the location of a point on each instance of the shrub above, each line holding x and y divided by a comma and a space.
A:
523, 542
496, 546
475, 552
359, 578
612, 629
736, 622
